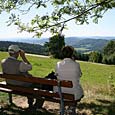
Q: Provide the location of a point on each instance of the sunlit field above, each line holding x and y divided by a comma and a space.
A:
96, 81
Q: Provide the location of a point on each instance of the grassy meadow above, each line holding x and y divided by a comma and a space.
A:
97, 82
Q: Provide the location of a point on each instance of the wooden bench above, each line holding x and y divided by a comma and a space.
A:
59, 97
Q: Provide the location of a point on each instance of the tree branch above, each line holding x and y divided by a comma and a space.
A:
92, 7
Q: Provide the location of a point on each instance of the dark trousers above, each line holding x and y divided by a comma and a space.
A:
39, 102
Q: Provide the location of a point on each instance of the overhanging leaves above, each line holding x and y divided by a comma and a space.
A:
62, 11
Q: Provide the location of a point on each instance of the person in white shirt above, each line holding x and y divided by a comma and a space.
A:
69, 69
12, 65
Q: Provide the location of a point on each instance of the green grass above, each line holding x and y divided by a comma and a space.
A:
93, 74
94, 81
42, 66
96, 74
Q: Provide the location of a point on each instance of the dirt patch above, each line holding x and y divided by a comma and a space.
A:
50, 106
22, 102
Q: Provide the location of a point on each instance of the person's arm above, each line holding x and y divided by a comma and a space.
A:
80, 71
25, 64
22, 54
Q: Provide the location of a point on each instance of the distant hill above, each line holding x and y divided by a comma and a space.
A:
29, 48
82, 44
87, 45
40, 41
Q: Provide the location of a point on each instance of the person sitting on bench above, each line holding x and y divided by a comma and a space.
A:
69, 69
12, 65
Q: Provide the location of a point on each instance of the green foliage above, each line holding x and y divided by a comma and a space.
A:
109, 48
109, 59
55, 45
109, 53
95, 57
80, 56
61, 12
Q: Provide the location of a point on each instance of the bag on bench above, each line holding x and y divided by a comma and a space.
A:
49, 76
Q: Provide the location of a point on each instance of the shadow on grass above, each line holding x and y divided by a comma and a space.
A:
100, 107
14, 110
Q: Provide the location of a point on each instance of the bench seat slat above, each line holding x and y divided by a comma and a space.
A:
5, 90
37, 92
57, 100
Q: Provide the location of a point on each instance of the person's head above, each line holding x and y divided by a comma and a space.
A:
67, 51
14, 50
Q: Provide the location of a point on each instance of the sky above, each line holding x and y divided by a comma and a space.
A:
105, 27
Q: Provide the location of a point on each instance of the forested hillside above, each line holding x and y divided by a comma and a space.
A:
29, 48
36, 46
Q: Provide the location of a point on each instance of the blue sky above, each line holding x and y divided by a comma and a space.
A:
105, 27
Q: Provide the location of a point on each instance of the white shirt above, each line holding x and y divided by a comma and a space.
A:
9, 68
68, 69
24, 67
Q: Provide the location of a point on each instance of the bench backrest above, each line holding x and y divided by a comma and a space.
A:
36, 80
33, 79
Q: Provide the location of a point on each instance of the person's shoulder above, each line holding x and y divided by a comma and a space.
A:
77, 63
3, 60
17, 61
60, 61
22, 63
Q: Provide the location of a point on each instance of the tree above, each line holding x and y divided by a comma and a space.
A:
109, 48
109, 53
55, 45
95, 57
81, 56
55, 19
109, 59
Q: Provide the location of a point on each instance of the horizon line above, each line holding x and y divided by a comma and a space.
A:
49, 37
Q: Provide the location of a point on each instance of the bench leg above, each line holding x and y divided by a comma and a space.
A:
10, 98
71, 110
62, 108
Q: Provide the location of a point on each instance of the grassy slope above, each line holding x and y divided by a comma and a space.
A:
93, 74
94, 80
